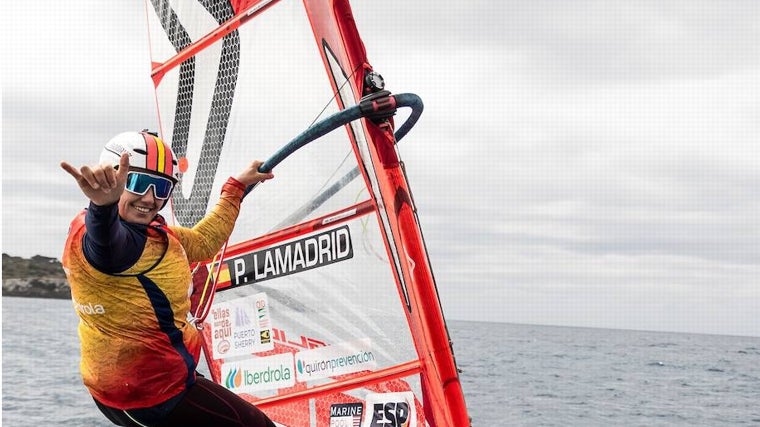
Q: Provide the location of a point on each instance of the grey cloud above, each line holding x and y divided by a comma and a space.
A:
586, 152
586, 41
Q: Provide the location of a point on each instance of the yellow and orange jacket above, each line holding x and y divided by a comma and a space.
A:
138, 347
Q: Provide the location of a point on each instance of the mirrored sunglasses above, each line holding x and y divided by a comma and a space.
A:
139, 183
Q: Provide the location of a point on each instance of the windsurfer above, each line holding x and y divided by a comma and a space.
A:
139, 354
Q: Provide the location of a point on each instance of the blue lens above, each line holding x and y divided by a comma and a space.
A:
139, 183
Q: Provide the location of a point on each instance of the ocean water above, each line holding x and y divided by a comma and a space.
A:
513, 375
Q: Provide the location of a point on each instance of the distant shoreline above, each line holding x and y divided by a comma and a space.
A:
35, 277
37, 288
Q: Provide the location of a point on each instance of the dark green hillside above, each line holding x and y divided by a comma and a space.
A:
36, 266
38, 277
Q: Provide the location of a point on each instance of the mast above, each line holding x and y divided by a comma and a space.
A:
334, 29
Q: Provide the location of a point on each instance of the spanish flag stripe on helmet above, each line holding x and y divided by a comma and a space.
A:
159, 158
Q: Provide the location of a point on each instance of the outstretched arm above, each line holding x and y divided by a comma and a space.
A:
109, 245
206, 238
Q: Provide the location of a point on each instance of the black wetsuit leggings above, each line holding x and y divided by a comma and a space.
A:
204, 404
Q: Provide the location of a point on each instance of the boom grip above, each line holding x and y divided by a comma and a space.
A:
385, 106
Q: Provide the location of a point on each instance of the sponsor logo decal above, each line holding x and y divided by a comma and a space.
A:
89, 308
390, 410
259, 373
338, 359
346, 414
299, 255
241, 326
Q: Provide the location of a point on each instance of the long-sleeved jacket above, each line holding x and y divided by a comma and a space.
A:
130, 285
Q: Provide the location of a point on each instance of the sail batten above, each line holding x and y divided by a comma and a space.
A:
393, 373
188, 50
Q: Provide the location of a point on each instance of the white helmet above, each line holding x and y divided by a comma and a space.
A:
146, 151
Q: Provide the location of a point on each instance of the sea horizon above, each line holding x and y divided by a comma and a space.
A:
547, 325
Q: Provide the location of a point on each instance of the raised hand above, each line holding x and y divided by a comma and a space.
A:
251, 174
102, 184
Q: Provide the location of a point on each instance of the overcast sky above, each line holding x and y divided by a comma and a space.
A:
584, 163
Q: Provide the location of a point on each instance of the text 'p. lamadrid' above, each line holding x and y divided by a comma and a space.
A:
304, 254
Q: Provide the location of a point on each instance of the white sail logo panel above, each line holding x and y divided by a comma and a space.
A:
240, 327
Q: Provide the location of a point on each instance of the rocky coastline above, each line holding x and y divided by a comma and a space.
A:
36, 277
